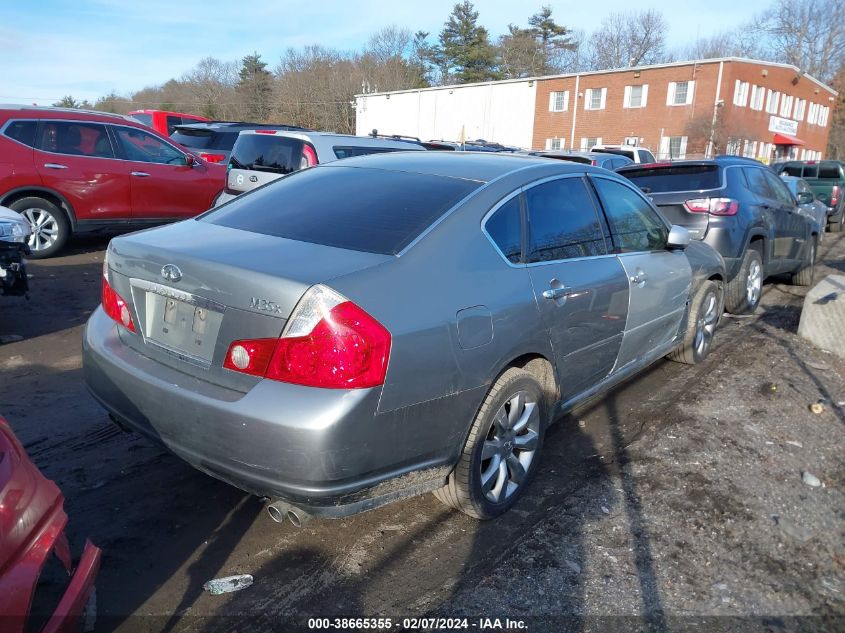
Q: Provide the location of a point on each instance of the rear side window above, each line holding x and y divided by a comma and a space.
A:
349, 152
144, 119
634, 225
172, 122
676, 178
197, 139
75, 139
830, 172
562, 222
267, 152
505, 229
792, 170
757, 182
810, 171
369, 210
646, 156
22, 132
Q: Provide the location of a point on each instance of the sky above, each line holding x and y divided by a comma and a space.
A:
88, 48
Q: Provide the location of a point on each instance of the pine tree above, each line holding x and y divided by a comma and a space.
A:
255, 87
465, 52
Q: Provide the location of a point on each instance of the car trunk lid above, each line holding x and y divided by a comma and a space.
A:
194, 287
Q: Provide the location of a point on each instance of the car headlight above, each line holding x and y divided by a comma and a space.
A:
14, 230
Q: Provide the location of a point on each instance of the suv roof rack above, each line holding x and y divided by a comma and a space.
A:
75, 111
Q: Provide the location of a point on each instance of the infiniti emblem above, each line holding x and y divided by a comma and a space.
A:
171, 272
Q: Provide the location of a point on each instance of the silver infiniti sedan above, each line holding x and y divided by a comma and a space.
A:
383, 326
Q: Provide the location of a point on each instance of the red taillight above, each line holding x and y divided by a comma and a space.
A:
594, 163
212, 158
309, 156
834, 195
713, 206
116, 307
329, 342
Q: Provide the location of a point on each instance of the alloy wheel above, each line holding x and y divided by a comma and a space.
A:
510, 447
45, 228
754, 283
706, 325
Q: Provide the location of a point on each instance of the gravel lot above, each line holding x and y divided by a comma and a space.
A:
676, 503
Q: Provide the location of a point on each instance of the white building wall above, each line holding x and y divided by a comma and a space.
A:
501, 112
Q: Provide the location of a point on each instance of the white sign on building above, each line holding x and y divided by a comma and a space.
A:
783, 126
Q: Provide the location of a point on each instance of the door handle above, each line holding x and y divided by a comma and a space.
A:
639, 278
55, 166
557, 293
141, 174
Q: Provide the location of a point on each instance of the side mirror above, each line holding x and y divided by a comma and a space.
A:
191, 160
805, 197
678, 237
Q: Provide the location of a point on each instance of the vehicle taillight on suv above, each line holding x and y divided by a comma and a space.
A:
328, 342
713, 206
835, 195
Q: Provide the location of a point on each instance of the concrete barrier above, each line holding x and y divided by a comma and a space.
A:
823, 315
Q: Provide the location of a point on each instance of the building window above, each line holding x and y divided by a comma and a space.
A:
734, 146
800, 109
786, 106
554, 143
824, 111
680, 93
741, 93
635, 96
757, 94
587, 143
772, 99
594, 98
559, 101
813, 114
673, 147
632, 141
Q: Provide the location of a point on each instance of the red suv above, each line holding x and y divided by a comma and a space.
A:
164, 121
70, 171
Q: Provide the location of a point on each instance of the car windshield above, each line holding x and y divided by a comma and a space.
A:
198, 139
675, 178
267, 152
360, 209
144, 119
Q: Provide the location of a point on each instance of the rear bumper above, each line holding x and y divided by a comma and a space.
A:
324, 450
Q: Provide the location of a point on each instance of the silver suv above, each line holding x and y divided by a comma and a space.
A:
261, 156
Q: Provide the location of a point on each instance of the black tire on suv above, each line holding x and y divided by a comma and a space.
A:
50, 225
743, 292
804, 275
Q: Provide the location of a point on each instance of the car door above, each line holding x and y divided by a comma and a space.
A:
659, 279
163, 185
76, 159
794, 224
580, 288
773, 216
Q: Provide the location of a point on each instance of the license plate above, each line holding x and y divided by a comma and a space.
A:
188, 327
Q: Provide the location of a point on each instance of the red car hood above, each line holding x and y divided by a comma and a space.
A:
26, 497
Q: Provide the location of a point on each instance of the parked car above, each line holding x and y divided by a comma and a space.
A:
69, 171
260, 156
807, 203
827, 180
605, 160
41, 589
636, 154
14, 234
426, 344
743, 210
213, 141
164, 121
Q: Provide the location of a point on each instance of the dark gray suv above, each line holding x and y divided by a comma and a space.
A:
744, 211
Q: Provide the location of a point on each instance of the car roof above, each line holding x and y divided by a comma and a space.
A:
153, 111
369, 140
720, 161
478, 166
44, 112
235, 125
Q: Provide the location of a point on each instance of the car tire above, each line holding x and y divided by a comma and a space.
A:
705, 313
804, 275
502, 450
743, 292
51, 228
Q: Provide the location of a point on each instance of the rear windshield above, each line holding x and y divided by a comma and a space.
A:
628, 153
350, 151
265, 152
370, 210
676, 178
144, 119
205, 139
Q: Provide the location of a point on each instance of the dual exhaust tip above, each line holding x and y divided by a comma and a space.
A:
280, 511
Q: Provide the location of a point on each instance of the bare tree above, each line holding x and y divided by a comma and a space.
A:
628, 39
736, 43
836, 141
809, 34
714, 132
212, 83
388, 61
538, 50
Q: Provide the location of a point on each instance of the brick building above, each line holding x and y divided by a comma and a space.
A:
757, 109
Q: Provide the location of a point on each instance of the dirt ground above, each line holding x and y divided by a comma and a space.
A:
676, 503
